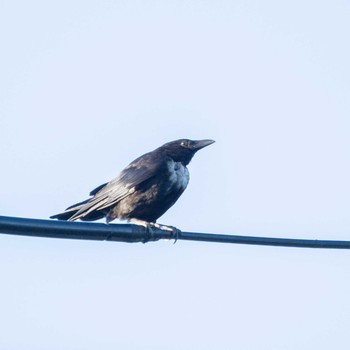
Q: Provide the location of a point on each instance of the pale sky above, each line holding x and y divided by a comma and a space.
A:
88, 86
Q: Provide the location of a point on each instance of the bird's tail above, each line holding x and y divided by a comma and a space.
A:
69, 213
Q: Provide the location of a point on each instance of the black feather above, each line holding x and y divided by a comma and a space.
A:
144, 190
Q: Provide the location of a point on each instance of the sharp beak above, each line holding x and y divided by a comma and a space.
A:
202, 143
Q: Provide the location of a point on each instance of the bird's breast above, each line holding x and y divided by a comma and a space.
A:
178, 175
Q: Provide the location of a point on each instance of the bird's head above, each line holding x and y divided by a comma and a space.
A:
183, 150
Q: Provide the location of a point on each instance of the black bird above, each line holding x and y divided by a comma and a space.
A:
144, 190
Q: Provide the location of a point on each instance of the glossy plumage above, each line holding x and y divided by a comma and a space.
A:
144, 190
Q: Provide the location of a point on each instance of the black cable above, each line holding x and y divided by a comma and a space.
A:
134, 233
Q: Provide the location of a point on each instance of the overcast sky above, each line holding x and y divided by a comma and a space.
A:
88, 86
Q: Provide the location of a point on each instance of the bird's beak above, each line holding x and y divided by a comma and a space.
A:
202, 143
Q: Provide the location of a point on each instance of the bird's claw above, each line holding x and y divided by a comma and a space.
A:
151, 228
175, 232
150, 233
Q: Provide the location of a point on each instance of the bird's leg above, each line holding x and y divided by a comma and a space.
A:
147, 225
175, 231
150, 225
139, 222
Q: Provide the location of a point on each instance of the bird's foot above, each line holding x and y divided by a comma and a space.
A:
175, 231
149, 226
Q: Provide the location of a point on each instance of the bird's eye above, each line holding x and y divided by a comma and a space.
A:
183, 143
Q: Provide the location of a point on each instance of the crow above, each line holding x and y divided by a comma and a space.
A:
144, 190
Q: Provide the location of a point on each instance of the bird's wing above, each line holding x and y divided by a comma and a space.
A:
139, 171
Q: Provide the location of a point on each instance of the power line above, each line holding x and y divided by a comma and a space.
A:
133, 233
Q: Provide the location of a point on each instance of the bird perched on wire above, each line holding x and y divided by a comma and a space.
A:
144, 190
